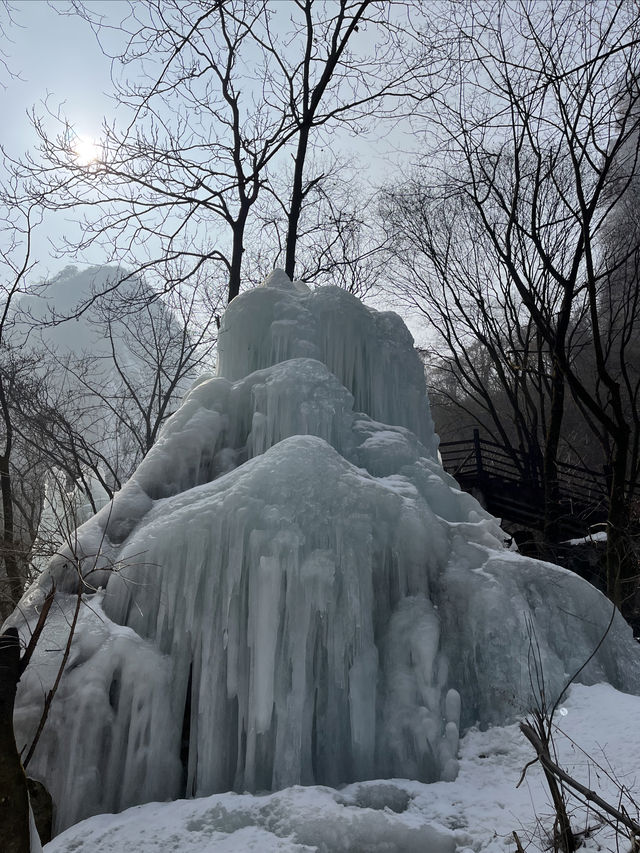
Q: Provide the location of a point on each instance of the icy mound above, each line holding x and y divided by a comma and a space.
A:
370, 353
294, 590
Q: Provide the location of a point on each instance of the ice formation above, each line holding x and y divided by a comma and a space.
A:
291, 590
477, 812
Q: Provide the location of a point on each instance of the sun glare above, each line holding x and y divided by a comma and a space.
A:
86, 151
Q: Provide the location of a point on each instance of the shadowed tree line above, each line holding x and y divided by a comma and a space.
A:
520, 244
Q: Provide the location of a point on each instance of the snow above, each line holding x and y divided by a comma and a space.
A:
596, 737
600, 536
290, 591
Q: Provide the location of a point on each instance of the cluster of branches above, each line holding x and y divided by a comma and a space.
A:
227, 118
519, 236
74, 424
226, 132
572, 799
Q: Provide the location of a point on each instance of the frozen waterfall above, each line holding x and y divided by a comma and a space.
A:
290, 589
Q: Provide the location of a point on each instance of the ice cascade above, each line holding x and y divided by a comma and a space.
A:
290, 589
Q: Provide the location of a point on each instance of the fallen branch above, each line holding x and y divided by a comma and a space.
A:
551, 767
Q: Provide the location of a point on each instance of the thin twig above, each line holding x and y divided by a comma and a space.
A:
532, 736
52, 692
37, 631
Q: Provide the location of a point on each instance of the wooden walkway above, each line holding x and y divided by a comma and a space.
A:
511, 487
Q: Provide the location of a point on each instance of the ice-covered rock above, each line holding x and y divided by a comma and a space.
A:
294, 591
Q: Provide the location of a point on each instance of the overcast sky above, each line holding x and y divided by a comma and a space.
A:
56, 60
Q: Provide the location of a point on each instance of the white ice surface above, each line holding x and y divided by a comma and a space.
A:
478, 812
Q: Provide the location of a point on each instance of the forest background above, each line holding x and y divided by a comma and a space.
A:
471, 164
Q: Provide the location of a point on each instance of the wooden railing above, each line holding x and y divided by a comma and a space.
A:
512, 485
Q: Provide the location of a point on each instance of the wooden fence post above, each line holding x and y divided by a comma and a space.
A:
478, 452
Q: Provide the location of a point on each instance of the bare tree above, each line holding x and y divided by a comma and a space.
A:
221, 98
484, 343
337, 243
325, 83
19, 216
546, 118
502, 368
107, 394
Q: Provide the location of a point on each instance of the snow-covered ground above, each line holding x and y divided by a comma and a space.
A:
478, 812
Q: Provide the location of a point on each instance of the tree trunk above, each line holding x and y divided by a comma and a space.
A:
295, 206
237, 251
14, 799
622, 582
550, 468
14, 583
